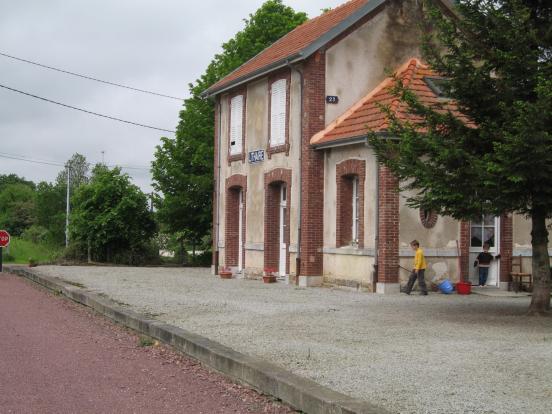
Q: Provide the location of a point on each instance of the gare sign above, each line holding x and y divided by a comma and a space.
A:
256, 157
4, 238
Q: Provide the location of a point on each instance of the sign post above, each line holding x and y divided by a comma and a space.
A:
4, 242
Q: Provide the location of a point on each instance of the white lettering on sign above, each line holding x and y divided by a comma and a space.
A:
256, 157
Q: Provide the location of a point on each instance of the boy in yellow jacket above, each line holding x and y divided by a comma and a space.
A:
418, 272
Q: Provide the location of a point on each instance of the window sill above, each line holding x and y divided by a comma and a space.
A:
349, 251
236, 157
278, 149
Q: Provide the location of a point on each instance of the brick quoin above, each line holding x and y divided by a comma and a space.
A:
272, 184
346, 171
388, 228
464, 250
312, 170
506, 247
234, 185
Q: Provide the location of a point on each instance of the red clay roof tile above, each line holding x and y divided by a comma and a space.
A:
292, 43
366, 114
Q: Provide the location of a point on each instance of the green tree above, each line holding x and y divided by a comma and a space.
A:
111, 220
13, 179
50, 211
17, 208
183, 167
78, 168
497, 57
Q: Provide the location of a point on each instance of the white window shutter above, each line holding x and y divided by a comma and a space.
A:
278, 109
236, 125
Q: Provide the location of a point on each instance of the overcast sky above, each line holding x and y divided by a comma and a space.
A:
155, 45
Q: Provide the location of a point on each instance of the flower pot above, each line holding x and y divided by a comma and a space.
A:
269, 279
463, 288
225, 275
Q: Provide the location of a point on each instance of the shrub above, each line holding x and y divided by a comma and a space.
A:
36, 234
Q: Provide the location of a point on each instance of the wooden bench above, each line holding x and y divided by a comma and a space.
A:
520, 279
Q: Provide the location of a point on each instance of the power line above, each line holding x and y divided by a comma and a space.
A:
18, 158
90, 78
59, 164
87, 111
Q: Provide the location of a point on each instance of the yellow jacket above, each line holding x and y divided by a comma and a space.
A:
419, 260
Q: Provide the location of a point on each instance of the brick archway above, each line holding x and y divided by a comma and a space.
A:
346, 171
272, 184
234, 185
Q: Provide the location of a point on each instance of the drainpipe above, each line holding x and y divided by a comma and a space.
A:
298, 257
217, 189
376, 242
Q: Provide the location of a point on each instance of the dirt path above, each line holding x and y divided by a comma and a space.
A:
58, 357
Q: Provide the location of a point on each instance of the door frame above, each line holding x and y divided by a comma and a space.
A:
494, 270
241, 230
282, 231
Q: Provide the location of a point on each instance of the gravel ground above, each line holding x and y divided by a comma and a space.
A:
409, 354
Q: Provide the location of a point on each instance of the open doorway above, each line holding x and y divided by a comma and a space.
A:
485, 231
277, 229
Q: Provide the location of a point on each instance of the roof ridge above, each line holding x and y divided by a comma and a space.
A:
334, 10
408, 69
294, 44
309, 21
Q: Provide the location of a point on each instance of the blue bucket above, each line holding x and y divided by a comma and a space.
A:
446, 287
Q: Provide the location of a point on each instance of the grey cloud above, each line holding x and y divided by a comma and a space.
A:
156, 45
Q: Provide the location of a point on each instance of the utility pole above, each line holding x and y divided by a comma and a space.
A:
68, 207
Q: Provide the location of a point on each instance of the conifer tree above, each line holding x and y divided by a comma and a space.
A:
497, 58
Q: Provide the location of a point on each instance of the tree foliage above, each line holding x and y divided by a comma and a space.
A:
17, 208
13, 179
497, 57
78, 169
111, 218
50, 211
183, 167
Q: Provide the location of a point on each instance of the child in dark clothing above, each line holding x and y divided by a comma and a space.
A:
484, 260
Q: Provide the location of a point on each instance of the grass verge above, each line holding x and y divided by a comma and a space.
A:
23, 252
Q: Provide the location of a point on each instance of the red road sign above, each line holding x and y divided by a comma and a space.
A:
4, 238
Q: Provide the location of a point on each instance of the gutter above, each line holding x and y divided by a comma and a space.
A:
362, 139
375, 277
219, 128
265, 70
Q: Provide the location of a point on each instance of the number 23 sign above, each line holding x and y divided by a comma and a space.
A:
4, 238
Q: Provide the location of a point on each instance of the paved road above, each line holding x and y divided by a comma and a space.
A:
58, 357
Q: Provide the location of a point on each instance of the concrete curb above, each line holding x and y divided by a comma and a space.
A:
301, 393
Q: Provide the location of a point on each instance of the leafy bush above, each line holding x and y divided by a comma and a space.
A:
35, 234
111, 219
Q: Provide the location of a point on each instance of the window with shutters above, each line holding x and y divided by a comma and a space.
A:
236, 125
279, 113
278, 108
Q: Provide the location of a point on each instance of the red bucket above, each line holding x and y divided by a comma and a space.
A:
463, 288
